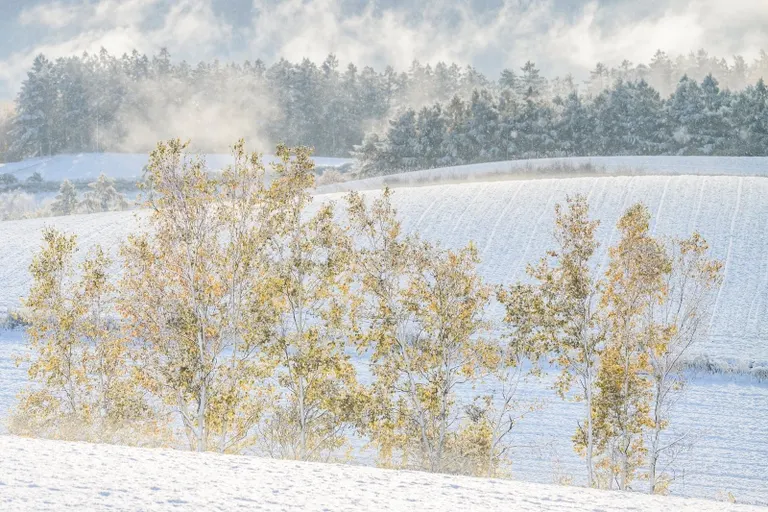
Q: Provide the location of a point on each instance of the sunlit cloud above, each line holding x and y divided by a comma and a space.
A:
561, 36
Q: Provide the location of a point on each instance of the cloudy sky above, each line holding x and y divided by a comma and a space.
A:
559, 35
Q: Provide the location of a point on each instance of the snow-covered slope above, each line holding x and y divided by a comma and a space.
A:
55, 475
127, 166
565, 167
511, 222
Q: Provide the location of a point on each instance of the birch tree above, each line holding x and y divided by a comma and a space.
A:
193, 295
310, 278
689, 293
635, 280
82, 383
420, 320
558, 314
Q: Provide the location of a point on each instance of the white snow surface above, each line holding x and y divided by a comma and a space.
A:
55, 475
512, 221
126, 166
601, 165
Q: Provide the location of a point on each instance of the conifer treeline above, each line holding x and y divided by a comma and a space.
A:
236, 315
101, 102
630, 118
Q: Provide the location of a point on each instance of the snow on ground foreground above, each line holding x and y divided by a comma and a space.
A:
55, 475
126, 166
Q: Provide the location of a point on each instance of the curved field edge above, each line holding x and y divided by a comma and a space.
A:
564, 168
57, 475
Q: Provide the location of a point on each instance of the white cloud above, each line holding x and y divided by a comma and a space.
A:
559, 40
187, 28
53, 15
520, 30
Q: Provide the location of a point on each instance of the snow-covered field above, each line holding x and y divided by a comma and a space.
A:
727, 415
54, 475
511, 223
599, 165
125, 166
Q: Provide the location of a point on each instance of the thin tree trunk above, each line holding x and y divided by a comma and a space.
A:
202, 405
654, 452
590, 434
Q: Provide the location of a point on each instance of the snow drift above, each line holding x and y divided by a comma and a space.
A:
57, 475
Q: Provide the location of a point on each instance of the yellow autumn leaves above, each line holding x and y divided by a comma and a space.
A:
250, 319
618, 338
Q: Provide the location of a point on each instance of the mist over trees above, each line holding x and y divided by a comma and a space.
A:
629, 118
102, 102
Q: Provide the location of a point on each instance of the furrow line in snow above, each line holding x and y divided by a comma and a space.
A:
727, 265
661, 204
501, 216
425, 212
472, 201
522, 259
761, 290
615, 228
697, 211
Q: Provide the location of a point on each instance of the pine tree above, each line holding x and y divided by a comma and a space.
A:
684, 110
661, 73
455, 148
369, 157
481, 128
33, 128
430, 129
400, 151
714, 128
6, 123
103, 197
73, 130
576, 127
508, 80
66, 200
599, 79
531, 83
751, 115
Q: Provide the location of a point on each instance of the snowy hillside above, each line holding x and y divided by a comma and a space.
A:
511, 222
56, 475
127, 166
599, 165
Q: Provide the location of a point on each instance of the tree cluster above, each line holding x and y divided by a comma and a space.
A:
18, 202
629, 118
618, 337
240, 319
102, 102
